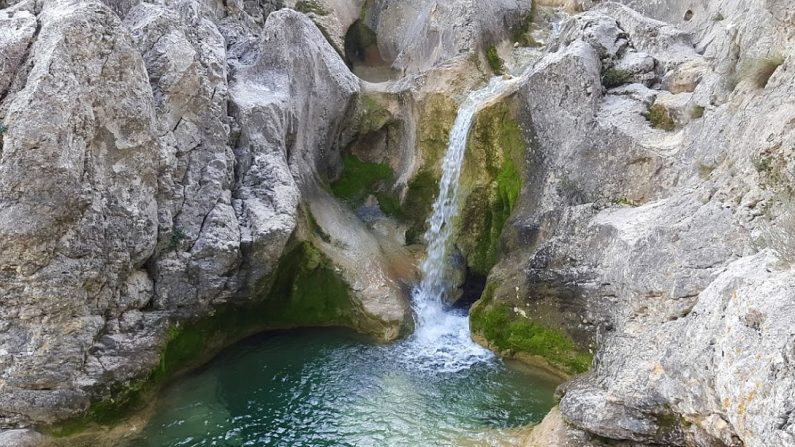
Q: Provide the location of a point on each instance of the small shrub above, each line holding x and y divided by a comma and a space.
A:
625, 201
177, 236
495, 61
761, 70
660, 118
310, 6
3, 128
697, 112
614, 77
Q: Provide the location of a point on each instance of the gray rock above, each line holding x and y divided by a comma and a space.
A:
18, 28
416, 35
657, 258
21, 438
77, 209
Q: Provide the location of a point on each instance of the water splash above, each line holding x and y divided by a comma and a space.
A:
442, 339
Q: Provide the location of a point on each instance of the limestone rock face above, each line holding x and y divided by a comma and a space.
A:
663, 247
78, 215
151, 170
416, 35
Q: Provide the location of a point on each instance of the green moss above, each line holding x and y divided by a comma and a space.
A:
389, 204
359, 179
697, 112
307, 291
625, 201
436, 120
372, 115
437, 115
491, 183
310, 6
507, 331
521, 34
126, 398
417, 206
613, 77
660, 118
495, 61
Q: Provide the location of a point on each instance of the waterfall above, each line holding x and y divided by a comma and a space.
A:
442, 340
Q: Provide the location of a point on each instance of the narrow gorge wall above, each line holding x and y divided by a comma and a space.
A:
177, 174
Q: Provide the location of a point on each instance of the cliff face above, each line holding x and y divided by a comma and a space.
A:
164, 162
656, 224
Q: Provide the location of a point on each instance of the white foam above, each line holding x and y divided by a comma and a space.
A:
442, 341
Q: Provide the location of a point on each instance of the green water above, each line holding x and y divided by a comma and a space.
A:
330, 387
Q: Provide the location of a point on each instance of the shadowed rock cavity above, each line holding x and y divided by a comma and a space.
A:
363, 55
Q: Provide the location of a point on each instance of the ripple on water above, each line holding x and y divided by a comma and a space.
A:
331, 388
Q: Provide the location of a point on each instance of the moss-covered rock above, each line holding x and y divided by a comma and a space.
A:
491, 180
496, 63
418, 203
512, 333
436, 118
372, 113
307, 291
359, 179
660, 118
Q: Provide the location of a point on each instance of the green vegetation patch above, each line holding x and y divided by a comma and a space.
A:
496, 63
625, 201
660, 118
522, 34
311, 6
613, 77
307, 291
3, 128
177, 236
359, 179
372, 115
436, 119
512, 333
491, 183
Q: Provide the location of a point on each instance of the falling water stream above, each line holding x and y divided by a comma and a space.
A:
442, 336
330, 387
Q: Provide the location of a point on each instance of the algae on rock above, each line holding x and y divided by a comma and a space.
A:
511, 332
491, 179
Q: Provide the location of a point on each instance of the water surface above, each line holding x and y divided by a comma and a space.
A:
330, 387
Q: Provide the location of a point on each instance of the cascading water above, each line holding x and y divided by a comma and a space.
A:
328, 388
442, 340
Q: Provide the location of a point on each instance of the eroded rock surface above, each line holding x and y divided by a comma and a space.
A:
653, 217
157, 159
